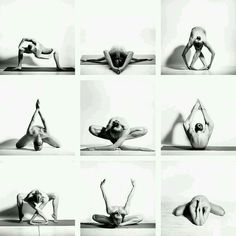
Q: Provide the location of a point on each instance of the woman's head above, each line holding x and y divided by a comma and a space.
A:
198, 127
117, 218
38, 143
38, 197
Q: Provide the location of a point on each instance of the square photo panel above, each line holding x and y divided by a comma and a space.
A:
37, 37
197, 198
39, 201
196, 123
198, 37
117, 38
117, 118
117, 198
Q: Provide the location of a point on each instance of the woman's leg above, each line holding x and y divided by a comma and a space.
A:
217, 210
55, 202
132, 220
179, 211
24, 141
20, 202
105, 220
137, 132
51, 141
99, 131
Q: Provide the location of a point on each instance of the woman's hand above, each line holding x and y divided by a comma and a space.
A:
37, 104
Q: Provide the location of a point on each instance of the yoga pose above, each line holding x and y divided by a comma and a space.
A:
31, 46
117, 131
198, 210
200, 134
117, 59
198, 40
37, 200
37, 134
118, 215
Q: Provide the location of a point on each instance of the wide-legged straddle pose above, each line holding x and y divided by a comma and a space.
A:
198, 210
37, 200
31, 46
117, 59
118, 215
37, 134
200, 134
117, 131
198, 40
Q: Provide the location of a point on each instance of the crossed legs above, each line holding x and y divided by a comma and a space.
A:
198, 54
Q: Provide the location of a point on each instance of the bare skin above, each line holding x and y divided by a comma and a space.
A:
198, 210
118, 215
117, 59
37, 134
37, 203
198, 40
117, 131
38, 50
198, 138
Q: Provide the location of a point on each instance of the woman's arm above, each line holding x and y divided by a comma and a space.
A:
127, 61
43, 121
109, 61
128, 201
108, 207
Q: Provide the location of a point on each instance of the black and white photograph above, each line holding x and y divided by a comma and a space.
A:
200, 121
37, 37
116, 120
39, 201
198, 37
118, 39
197, 198
36, 120
112, 198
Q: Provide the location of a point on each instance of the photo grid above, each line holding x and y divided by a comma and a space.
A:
117, 118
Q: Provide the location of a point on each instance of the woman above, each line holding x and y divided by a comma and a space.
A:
31, 46
198, 210
117, 131
37, 200
117, 58
118, 215
37, 134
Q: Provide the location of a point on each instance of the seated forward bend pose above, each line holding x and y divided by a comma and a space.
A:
37, 200
117, 131
31, 46
200, 134
118, 215
198, 40
198, 210
37, 134
117, 58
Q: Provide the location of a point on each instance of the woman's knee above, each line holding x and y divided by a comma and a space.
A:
92, 129
54, 196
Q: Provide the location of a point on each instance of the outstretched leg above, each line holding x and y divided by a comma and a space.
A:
105, 220
217, 210
20, 203
51, 141
135, 60
132, 220
101, 60
20, 59
24, 141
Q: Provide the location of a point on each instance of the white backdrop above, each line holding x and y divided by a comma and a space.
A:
217, 17
134, 101
178, 97
39, 19
117, 187
18, 98
130, 24
16, 177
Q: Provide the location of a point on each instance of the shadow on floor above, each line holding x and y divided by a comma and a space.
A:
168, 139
13, 61
175, 60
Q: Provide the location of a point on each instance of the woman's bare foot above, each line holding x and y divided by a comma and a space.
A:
54, 218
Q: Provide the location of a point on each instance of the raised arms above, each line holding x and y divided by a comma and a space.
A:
42, 119
108, 207
207, 119
128, 201
33, 117
189, 120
